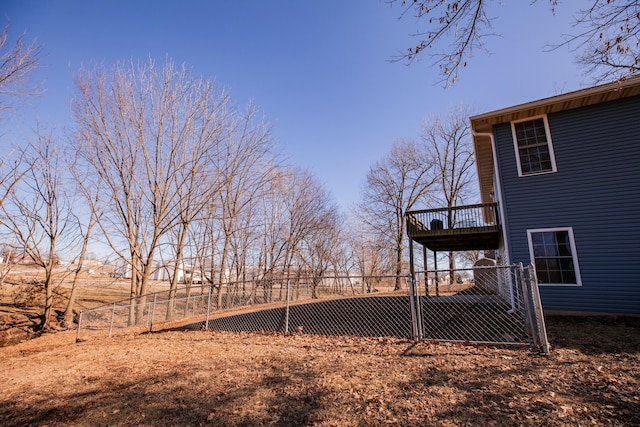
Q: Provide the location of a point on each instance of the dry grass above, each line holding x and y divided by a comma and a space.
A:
22, 298
171, 378
204, 378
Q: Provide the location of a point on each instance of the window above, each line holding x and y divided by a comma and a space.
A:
534, 150
554, 255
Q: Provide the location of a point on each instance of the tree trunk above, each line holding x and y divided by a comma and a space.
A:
67, 321
68, 312
178, 264
48, 301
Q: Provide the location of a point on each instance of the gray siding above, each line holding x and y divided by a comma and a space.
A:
596, 191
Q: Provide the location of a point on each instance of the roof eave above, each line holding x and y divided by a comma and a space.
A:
595, 95
482, 125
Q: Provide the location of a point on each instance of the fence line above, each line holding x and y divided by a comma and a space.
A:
207, 301
490, 305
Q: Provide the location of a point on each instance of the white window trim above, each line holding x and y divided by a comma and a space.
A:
574, 254
549, 142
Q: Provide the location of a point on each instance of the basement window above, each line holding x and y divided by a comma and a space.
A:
534, 151
554, 255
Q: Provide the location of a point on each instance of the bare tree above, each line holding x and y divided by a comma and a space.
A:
17, 63
606, 39
323, 239
196, 181
304, 201
369, 253
468, 258
448, 138
88, 194
37, 213
245, 163
460, 24
205, 236
133, 124
6, 264
393, 186
11, 172
273, 226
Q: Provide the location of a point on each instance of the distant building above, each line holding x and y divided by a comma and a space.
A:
161, 272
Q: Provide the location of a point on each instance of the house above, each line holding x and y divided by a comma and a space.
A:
162, 271
560, 189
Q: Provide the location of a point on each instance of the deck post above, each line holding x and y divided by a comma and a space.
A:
412, 295
426, 270
435, 268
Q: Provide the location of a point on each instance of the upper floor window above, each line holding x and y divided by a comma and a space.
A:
554, 255
534, 151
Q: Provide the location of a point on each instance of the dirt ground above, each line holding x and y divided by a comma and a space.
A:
175, 378
22, 299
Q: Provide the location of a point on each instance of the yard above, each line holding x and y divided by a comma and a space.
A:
591, 377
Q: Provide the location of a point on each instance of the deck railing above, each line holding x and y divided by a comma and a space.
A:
484, 215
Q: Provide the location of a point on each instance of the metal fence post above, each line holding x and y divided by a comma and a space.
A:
418, 310
79, 326
412, 305
530, 316
518, 298
113, 313
537, 310
523, 287
153, 312
206, 324
286, 310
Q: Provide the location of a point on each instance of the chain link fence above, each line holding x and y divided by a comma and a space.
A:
277, 305
498, 305
483, 305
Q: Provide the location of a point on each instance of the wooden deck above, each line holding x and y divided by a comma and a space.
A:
474, 227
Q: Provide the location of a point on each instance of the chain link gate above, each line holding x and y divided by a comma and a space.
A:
481, 305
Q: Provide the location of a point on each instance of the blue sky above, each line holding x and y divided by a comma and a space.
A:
320, 70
